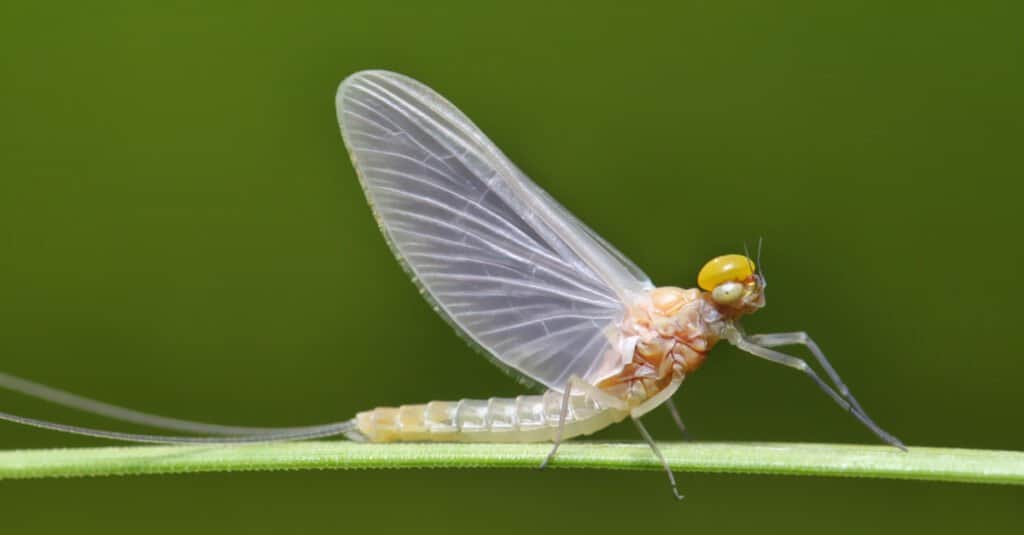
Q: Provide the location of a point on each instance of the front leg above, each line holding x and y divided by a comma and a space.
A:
750, 346
802, 338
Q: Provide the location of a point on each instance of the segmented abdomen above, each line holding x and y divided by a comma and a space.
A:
520, 419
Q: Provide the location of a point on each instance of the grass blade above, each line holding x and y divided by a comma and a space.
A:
933, 464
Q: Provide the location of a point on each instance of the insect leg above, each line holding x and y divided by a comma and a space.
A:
562, 414
595, 393
793, 362
657, 453
675, 416
801, 338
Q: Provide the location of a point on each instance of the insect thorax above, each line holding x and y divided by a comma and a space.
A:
674, 328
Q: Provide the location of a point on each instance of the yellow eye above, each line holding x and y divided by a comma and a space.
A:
730, 267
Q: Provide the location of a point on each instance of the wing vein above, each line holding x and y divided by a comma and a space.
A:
507, 265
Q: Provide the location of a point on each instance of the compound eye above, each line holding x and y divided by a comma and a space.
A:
727, 293
730, 267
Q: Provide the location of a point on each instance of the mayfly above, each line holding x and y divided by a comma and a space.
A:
539, 292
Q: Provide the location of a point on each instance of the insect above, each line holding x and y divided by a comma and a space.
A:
529, 284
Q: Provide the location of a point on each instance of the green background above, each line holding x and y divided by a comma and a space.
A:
181, 232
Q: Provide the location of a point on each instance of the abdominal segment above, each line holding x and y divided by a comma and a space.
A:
520, 419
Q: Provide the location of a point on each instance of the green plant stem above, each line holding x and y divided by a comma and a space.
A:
934, 464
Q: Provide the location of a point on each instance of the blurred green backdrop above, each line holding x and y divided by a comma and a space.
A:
181, 232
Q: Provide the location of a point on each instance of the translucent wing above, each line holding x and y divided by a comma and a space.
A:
504, 262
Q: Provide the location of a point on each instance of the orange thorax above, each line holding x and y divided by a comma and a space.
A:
672, 340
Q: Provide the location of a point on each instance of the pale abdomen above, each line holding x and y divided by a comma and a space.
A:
520, 419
